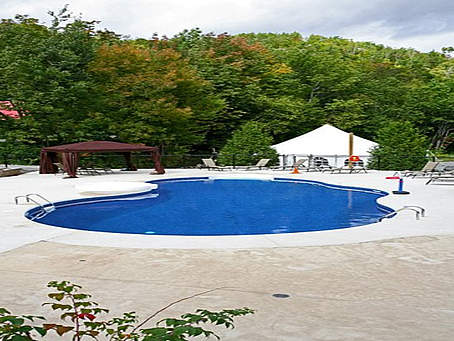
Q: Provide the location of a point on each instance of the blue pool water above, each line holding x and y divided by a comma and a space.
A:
200, 206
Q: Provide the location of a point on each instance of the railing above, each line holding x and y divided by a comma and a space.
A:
142, 160
44, 208
419, 212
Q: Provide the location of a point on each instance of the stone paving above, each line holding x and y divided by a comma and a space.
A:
398, 289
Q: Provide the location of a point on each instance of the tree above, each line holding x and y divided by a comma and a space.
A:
244, 74
401, 147
189, 93
153, 96
435, 100
247, 145
44, 74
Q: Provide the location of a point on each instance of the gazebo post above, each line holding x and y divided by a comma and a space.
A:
70, 163
46, 163
156, 156
129, 165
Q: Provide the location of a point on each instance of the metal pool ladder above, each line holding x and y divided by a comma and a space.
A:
45, 208
419, 211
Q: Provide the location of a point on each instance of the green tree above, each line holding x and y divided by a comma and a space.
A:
247, 145
189, 93
401, 147
152, 96
244, 74
44, 74
435, 101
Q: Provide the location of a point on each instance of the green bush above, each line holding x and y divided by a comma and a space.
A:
19, 153
82, 319
401, 147
250, 143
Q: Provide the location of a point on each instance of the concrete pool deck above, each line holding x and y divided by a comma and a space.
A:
386, 281
16, 230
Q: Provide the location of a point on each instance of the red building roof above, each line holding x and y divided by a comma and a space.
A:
6, 109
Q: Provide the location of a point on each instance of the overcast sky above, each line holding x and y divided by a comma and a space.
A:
422, 24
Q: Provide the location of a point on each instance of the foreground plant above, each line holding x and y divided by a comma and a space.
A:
81, 318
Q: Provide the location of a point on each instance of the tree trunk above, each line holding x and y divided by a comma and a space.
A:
441, 137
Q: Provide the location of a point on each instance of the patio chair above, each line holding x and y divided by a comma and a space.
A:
60, 167
97, 170
429, 168
357, 167
299, 164
448, 176
88, 171
319, 164
210, 164
261, 164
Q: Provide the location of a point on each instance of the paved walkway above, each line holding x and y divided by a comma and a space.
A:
399, 289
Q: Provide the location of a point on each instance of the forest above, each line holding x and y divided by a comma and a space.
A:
189, 93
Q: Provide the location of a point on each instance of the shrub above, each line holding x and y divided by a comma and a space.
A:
247, 145
401, 147
81, 319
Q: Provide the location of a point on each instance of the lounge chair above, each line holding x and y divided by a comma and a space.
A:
261, 164
60, 167
347, 169
319, 164
428, 169
210, 164
299, 164
96, 170
448, 176
357, 167
88, 171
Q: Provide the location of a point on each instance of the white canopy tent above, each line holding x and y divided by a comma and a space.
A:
326, 141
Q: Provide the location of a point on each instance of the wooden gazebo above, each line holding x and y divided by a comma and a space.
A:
70, 155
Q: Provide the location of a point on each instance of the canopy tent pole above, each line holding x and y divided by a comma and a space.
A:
350, 150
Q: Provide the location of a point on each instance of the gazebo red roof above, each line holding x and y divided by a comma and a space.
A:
4, 109
100, 146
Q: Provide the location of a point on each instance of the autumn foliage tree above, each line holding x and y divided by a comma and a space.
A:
152, 96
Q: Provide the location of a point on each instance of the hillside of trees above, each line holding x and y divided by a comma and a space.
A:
189, 93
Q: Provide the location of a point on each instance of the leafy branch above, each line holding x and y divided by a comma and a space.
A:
81, 318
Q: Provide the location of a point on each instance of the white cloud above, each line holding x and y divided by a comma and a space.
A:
422, 24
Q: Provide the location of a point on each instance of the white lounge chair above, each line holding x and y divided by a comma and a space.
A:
319, 164
357, 167
210, 164
448, 176
261, 164
429, 168
297, 164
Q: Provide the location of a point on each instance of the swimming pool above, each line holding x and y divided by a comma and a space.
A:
207, 207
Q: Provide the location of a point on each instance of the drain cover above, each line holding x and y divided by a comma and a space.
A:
281, 295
